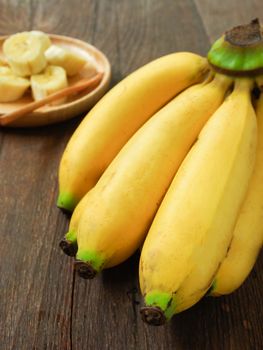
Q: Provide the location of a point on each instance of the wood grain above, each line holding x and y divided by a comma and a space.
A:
43, 305
217, 19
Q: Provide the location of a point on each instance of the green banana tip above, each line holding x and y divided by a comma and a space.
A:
212, 290
85, 269
88, 263
68, 247
160, 307
66, 202
71, 236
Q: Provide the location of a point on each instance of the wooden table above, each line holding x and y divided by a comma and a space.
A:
43, 304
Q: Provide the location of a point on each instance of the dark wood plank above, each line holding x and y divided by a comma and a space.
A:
36, 283
15, 16
217, 19
43, 305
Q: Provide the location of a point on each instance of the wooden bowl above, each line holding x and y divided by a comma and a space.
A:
75, 105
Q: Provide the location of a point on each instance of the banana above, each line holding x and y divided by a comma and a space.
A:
248, 233
193, 227
53, 79
69, 243
123, 203
12, 87
3, 62
5, 70
43, 37
70, 60
25, 53
117, 116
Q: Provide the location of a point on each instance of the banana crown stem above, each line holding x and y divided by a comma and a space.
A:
223, 80
259, 81
239, 51
243, 84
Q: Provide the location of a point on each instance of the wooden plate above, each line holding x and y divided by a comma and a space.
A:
76, 104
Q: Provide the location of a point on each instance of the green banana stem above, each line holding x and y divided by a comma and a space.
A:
160, 307
67, 202
239, 51
88, 263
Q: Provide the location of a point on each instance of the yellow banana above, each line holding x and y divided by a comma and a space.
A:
124, 201
3, 62
69, 243
117, 116
193, 227
248, 233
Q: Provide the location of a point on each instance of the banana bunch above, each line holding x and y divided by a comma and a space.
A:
193, 228
32, 61
171, 160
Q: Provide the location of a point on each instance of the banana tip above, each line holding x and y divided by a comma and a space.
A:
66, 202
154, 316
85, 270
68, 247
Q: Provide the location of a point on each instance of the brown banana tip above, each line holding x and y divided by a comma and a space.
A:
245, 35
68, 247
85, 270
154, 316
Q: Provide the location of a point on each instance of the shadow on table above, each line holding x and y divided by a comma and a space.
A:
213, 323
58, 128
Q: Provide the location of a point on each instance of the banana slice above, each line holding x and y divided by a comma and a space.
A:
71, 61
5, 70
54, 78
12, 87
44, 38
25, 53
2, 62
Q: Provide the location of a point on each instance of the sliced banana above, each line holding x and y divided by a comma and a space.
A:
25, 53
12, 87
5, 70
54, 78
2, 62
43, 37
71, 61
